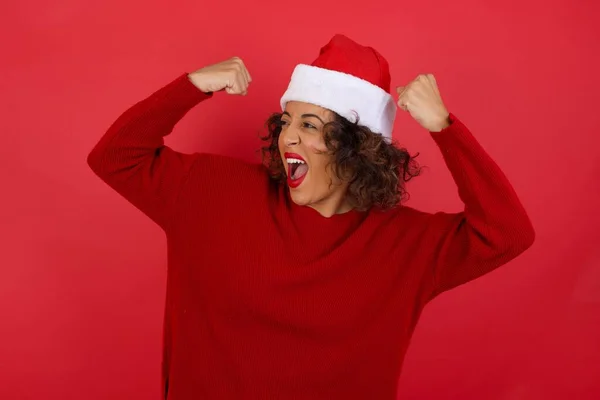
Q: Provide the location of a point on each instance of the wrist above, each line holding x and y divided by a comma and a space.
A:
443, 123
196, 81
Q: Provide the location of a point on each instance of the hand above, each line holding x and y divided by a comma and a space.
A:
421, 99
230, 75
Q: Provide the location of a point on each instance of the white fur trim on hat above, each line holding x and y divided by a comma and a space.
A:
344, 94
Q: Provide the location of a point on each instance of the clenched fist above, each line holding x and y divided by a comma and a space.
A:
230, 75
421, 99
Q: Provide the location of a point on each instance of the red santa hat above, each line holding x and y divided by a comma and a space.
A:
349, 79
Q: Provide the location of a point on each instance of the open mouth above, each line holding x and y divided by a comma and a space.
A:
297, 169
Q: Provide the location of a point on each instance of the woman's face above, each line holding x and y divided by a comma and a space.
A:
310, 170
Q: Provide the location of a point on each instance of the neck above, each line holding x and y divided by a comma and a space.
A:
332, 206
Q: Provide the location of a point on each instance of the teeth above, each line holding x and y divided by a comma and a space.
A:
294, 161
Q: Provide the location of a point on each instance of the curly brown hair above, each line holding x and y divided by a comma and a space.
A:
375, 168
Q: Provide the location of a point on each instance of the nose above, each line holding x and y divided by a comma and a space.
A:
290, 137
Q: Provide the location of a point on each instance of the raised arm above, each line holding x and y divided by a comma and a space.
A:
132, 158
494, 227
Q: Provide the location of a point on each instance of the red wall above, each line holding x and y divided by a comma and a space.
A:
82, 272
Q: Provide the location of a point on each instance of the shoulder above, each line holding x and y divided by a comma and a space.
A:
402, 221
221, 192
404, 213
222, 168
228, 179
423, 225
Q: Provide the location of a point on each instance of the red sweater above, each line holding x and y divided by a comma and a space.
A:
270, 300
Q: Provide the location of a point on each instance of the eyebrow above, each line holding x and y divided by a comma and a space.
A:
306, 116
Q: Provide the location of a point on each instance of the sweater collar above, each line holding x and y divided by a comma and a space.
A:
311, 216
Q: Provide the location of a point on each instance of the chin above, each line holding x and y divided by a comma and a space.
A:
299, 198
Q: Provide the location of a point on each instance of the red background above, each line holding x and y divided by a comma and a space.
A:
82, 273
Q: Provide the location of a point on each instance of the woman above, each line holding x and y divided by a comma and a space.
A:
304, 278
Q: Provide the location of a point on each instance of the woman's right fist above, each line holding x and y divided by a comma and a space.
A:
231, 76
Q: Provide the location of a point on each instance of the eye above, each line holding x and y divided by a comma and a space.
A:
308, 126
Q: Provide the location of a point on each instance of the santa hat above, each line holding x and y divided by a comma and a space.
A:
349, 79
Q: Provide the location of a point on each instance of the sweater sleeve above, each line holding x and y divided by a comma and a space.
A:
131, 156
493, 228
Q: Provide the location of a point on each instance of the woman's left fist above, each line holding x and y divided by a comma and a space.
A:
421, 98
